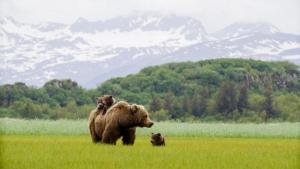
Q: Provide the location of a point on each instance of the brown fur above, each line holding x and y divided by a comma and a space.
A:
103, 103
121, 120
157, 139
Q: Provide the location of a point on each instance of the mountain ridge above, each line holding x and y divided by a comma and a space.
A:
98, 50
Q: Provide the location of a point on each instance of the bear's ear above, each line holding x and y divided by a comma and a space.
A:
110, 96
159, 134
133, 108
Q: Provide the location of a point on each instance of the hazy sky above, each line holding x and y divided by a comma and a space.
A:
214, 14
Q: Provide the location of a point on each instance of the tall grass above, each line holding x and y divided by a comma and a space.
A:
79, 127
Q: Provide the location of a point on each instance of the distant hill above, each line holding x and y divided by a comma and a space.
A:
186, 77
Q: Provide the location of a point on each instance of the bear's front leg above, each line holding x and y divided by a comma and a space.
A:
110, 136
128, 136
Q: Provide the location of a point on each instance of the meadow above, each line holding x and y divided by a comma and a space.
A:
79, 127
65, 144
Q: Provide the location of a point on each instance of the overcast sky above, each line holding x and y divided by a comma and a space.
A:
214, 14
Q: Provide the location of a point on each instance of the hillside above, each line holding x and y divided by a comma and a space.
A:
220, 89
232, 87
188, 77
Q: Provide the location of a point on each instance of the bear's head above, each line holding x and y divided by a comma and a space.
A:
105, 102
142, 115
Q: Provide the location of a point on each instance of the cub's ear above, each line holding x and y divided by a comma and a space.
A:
110, 96
158, 134
98, 99
133, 108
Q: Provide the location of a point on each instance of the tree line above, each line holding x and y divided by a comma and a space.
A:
212, 90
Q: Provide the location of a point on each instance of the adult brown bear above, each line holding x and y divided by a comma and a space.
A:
121, 120
103, 103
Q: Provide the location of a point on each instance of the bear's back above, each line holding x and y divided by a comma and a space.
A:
121, 106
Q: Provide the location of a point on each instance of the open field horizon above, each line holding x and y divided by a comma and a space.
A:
214, 129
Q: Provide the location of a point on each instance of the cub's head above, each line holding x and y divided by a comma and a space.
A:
142, 115
155, 135
104, 102
157, 139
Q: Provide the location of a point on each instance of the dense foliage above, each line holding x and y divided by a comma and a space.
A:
221, 89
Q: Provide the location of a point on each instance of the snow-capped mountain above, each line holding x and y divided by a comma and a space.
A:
90, 52
244, 28
260, 46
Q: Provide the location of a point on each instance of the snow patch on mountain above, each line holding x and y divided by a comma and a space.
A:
242, 28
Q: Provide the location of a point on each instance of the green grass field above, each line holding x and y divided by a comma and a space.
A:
79, 127
65, 144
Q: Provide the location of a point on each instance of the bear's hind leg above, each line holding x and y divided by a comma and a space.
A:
94, 136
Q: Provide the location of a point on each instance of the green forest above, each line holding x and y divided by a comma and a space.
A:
213, 90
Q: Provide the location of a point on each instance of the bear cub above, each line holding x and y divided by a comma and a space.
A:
157, 139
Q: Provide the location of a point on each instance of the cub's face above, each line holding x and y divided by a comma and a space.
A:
155, 137
142, 115
105, 101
